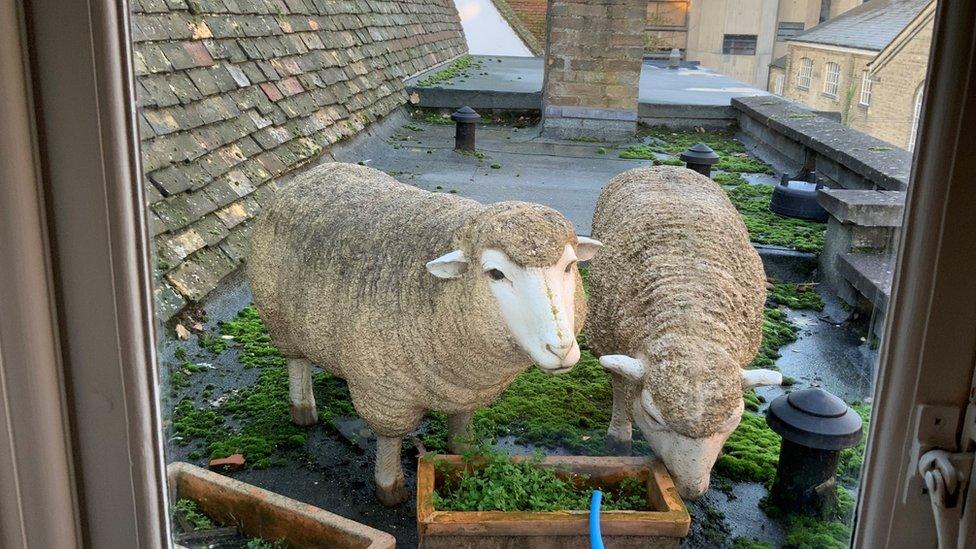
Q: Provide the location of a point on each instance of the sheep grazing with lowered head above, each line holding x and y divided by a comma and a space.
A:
676, 313
420, 301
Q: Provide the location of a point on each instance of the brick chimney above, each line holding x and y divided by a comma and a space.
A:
594, 50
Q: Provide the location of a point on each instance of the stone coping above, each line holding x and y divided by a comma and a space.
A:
885, 165
870, 274
865, 208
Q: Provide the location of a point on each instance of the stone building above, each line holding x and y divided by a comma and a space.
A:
738, 38
741, 38
868, 65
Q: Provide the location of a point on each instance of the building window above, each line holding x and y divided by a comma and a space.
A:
778, 86
866, 83
739, 44
806, 74
916, 114
832, 80
788, 29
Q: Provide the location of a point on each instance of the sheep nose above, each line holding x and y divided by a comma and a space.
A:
561, 349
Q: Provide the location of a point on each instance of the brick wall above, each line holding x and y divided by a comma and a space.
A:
237, 93
592, 67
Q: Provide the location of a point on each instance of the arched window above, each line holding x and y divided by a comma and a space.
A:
916, 114
806, 73
832, 80
866, 84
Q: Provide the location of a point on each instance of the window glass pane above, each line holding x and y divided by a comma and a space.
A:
865, 89
788, 29
806, 73
739, 44
353, 271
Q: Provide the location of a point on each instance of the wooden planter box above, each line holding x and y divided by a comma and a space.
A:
663, 527
269, 516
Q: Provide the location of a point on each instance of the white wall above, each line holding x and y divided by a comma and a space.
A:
487, 31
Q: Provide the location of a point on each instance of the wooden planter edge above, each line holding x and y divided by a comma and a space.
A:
265, 514
674, 522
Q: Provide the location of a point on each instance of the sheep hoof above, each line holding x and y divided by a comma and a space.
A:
304, 414
392, 495
619, 447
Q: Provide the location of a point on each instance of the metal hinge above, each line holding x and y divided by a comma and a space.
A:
943, 468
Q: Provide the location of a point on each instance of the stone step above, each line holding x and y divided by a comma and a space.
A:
870, 274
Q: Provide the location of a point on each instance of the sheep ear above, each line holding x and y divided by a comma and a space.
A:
624, 365
586, 248
759, 377
449, 265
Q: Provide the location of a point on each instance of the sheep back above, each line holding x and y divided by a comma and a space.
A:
679, 284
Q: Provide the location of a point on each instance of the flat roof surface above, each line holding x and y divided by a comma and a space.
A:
688, 85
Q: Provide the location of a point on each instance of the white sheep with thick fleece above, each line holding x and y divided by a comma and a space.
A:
421, 301
676, 313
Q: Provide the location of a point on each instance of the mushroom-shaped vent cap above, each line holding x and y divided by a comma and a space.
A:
699, 154
816, 419
465, 114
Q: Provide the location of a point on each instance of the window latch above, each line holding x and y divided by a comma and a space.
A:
947, 472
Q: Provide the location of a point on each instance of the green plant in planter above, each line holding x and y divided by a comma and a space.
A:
189, 511
493, 481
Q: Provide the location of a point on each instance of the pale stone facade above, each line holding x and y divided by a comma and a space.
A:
849, 64
897, 75
878, 92
770, 21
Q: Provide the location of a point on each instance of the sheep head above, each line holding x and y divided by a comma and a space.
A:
689, 441
521, 259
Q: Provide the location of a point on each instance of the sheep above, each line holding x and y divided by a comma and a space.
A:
676, 312
420, 301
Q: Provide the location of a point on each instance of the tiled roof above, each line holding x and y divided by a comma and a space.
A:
870, 26
526, 15
236, 94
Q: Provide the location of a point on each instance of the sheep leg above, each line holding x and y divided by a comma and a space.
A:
390, 484
620, 432
300, 395
459, 432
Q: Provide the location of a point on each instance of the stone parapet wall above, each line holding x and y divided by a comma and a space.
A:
843, 157
235, 94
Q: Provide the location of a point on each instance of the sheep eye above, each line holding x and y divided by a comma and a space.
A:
495, 274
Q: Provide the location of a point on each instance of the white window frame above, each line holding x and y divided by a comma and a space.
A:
929, 344
805, 78
831, 79
916, 116
866, 84
80, 455
81, 458
778, 85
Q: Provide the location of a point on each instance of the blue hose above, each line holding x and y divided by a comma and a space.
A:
596, 539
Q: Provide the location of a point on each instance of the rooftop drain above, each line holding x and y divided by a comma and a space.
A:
465, 120
700, 158
797, 198
815, 426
